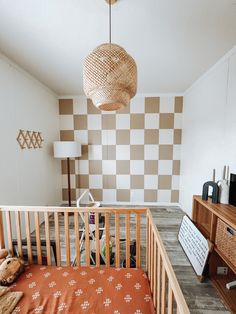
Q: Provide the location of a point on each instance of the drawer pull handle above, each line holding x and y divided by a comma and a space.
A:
231, 231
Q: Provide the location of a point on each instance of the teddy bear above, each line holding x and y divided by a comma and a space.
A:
3, 254
10, 268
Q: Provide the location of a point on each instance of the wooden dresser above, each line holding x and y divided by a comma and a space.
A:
217, 222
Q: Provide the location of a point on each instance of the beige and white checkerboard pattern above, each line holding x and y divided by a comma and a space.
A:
129, 156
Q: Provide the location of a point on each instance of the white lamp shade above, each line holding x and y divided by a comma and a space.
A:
67, 149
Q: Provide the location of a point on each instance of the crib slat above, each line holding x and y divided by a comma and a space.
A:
97, 239
67, 238
163, 290
170, 300
2, 242
127, 240
138, 229
77, 238
155, 274
28, 237
158, 281
117, 222
151, 262
9, 232
87, 242
149, 250
107, 232
48, 243
18, 232
38, 240
57, 238
147, 243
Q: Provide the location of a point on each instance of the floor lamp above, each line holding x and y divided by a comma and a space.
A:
67, 149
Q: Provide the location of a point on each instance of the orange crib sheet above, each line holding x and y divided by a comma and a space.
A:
51, 289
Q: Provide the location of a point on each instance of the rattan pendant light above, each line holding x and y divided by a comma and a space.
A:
110, 75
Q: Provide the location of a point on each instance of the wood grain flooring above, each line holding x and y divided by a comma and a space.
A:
201, 297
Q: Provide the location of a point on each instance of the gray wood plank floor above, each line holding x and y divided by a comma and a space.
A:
201, 297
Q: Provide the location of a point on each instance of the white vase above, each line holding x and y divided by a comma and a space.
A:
224, 191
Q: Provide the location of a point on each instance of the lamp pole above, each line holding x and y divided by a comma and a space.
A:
66, 150
68, 176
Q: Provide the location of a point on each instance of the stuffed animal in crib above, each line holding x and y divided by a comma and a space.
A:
3, 254
10, 268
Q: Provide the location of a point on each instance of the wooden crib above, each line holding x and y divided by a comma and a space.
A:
23, 224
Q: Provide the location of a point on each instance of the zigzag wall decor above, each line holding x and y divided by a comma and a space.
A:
29, 139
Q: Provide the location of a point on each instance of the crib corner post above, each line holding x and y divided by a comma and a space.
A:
147, 242
2, 241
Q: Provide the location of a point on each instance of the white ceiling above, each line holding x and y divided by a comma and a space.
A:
172, 41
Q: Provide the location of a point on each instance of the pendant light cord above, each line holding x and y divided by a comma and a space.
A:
109, 21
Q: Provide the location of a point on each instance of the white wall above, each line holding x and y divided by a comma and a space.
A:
209, 128
29, 176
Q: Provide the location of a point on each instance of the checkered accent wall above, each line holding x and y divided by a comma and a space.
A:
129, 156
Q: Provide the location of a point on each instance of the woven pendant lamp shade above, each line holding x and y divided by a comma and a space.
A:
110, 77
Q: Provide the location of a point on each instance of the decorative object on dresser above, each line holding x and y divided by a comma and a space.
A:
224, 187
110, 75
217, 222
67, 149
215, 191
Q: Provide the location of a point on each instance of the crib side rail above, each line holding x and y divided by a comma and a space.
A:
167, 294
63, 231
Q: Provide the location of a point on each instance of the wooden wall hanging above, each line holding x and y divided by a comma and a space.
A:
29, 139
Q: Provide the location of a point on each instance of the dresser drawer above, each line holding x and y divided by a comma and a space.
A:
226, 241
